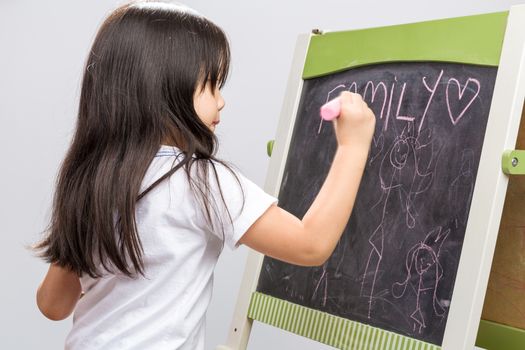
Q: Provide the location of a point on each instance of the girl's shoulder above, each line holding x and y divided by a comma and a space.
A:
216, 175
222, 169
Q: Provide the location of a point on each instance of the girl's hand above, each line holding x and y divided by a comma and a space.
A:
356, 123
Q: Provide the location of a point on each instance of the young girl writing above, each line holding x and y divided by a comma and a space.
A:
143, 207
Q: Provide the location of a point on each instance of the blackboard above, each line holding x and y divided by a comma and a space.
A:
395, 265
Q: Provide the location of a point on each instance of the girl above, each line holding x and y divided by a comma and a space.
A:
143, 207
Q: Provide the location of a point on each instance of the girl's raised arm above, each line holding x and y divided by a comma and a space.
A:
311, 241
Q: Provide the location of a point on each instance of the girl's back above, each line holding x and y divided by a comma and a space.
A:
165, 308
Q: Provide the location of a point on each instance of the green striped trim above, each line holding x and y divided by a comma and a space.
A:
471, 40
328, 329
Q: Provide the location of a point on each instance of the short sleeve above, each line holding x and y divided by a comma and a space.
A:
243, 199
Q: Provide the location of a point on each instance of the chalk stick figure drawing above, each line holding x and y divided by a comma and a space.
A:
322, 284
323, 279
461, 189
406, 171
423, 273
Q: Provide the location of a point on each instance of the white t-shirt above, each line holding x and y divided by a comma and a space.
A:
167, 308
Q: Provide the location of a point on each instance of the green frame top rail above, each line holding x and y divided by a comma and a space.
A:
471, 40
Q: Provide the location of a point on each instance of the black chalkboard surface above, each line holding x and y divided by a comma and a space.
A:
395, 265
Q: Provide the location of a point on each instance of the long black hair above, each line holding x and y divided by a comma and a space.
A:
146, 62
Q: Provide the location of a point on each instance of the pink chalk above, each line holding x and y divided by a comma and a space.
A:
330, 110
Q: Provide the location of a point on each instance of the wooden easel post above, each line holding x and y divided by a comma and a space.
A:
504, 122
501, 326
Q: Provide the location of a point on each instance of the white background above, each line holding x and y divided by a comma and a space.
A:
43, 45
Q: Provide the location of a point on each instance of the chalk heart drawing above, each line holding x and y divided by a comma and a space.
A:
474, 87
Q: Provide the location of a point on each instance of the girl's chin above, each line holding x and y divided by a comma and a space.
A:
213, 126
